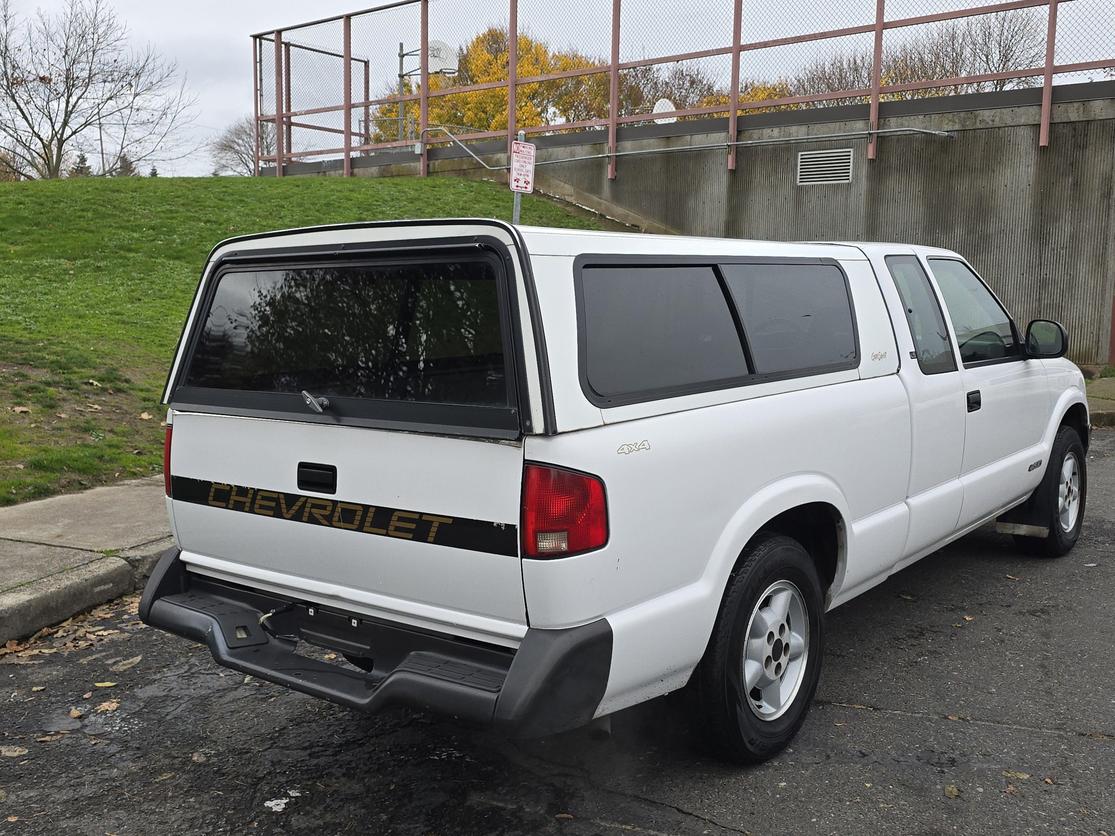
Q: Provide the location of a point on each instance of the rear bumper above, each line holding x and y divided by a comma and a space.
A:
554, 681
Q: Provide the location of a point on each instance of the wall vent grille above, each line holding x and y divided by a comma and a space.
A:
816, 168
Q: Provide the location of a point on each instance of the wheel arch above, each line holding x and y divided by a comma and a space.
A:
810, 508
1076, 416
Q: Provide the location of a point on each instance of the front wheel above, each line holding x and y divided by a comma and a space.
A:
1063, 493
759, 674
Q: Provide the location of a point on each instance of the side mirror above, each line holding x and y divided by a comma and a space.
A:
1045, 339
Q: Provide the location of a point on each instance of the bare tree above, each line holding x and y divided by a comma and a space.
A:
234, 150
982, 45
71, 82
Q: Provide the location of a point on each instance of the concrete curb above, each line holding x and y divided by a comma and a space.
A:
46, 601
1103, 419
50, 600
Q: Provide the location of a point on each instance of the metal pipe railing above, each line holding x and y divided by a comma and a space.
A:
284, 119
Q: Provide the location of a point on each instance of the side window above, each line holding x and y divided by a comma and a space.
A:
654, 329
983, 329
923, 313
797, 317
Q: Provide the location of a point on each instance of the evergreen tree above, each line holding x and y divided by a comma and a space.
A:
81, 167
125, 167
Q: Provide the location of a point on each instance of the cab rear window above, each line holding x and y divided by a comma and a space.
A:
402, 334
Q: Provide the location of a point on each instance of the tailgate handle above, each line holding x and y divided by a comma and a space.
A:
319, 478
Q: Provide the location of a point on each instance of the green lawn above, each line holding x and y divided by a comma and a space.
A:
96, 277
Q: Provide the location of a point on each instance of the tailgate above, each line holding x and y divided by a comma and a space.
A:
347, 424
416, 525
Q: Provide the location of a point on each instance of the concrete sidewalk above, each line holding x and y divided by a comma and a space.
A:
1101, 401
63, 555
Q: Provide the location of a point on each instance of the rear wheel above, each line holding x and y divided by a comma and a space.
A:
1062, 495
760, 671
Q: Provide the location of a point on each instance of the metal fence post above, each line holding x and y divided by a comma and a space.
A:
876, 80
346, 25
512, 71
256, 67
366, 137
288, 102
1047, 81
613, 92
424, 108
279, 130
733, 94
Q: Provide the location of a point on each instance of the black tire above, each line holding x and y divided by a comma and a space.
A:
733, 726
1059, 541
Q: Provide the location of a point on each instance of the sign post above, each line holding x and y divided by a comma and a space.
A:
521, 175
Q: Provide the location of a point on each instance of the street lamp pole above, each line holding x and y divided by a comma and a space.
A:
402, 77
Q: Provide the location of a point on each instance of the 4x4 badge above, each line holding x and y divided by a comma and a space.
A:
624, 449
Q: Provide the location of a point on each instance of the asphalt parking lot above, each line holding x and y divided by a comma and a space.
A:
971, 693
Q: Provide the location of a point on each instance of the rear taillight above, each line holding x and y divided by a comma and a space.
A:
564, 512
166, 461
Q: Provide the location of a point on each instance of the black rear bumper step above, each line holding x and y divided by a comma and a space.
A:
553, 682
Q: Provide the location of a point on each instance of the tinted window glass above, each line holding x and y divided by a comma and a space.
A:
983, 329
795, 316
425, 332
923, 313
653, 328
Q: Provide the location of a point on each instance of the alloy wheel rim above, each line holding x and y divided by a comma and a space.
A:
1068, 494
775, 651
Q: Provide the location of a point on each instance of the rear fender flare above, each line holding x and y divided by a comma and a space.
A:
763, 506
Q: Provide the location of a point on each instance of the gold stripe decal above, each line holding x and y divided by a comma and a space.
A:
442, 530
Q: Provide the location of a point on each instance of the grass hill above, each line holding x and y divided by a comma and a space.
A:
96, 276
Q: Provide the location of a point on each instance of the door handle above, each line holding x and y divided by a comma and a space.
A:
319, 478
975, 400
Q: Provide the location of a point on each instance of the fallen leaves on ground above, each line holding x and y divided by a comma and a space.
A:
104, 684
12, 751
969, 618
145, 416
107, 706
120, 667
36, 688
21, 410
1015, 776
50, 738
952, 791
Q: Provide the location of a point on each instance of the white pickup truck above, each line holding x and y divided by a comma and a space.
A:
533, 476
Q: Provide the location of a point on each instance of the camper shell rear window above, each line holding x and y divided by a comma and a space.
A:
406, 340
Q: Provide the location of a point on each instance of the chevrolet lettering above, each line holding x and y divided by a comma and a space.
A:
531, 477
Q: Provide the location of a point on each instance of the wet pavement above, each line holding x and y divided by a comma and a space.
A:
971, 693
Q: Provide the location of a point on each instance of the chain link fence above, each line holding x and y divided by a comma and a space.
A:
421, 72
